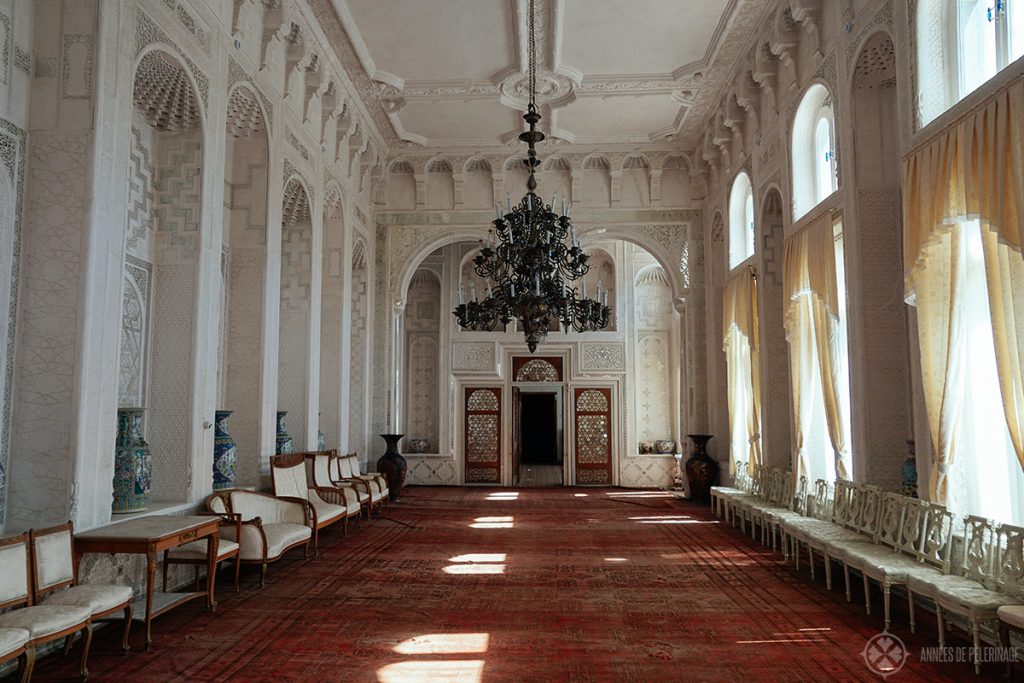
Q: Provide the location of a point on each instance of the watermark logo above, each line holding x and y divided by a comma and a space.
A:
885, 654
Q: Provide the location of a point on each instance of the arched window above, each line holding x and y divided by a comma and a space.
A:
741, 221
960, 45
814, 158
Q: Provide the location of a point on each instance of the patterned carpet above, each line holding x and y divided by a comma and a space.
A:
568, 584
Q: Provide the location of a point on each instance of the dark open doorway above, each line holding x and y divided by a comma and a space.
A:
537, 434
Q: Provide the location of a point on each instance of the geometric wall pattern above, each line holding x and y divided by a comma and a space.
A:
134, 337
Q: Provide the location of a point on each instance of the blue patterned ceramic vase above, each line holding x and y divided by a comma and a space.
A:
321, 441
133, 463
284, 442
225, 455
908, 472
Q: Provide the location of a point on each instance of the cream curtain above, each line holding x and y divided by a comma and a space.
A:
974, 169
815, 339
742, 348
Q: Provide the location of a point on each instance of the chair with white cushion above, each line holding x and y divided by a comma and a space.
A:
376, 479
321, 467
271, 525
774, 517
719, 494
1011, 618
817, 511
371, 491
44, 623
862, 523
327, 505
57, 584
14, 645
980, 604
194, 553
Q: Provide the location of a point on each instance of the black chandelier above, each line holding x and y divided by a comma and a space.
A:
527, 262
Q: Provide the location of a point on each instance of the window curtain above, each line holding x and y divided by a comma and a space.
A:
743, 358
972, 170
815, 340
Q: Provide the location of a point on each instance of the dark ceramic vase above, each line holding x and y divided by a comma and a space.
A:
701, 469
283, 442
225, 456
392, 465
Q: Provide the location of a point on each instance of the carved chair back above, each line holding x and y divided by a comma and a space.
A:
978, 545
869, 510
15, 572
841, 503
1010, 570
890, 520
913, 528
798, 501
742, 477
819, 505
288, 473
53, 565
937, 536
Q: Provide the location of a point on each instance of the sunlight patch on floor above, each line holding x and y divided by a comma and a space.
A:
470, 671
476, 563
492, 523
615, 559
670, 519
479, 557
579, 495
444, 644
503, 495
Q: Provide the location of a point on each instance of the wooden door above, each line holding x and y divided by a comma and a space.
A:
517, 434
592, 410
483, 435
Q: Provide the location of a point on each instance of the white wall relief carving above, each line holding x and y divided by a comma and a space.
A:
597, 357
476, 357
134, 329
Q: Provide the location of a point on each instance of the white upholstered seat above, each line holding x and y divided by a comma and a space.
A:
97, 599
44, 620
284, 535
196, 550
12, 640
1012, 615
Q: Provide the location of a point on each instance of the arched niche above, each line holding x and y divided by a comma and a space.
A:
440, 185
358, 372
400, 186
878, 326
7, 212
332, 305
240, 352
555, 178
596, 182
675, 182
514, 180
422, 326
655, 364
478, 188
295, 310
813, 150
636, 181
602, 272
162, 240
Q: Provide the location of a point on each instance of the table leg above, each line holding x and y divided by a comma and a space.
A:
212, 542
150, 575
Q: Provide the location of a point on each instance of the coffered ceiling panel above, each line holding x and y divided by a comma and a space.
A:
436, 39
641, 37
625, 119
447, 121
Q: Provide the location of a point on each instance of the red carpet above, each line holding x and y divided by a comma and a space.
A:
535, 585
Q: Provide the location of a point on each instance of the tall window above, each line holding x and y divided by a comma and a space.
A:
741, 221
984, 450
813, 151
961, 45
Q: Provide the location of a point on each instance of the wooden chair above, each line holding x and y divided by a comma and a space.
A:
44, 623
1011, 618
56, 581
321, 466
376, 479
327, 505
346, 471
194, 553
270, 525
14, 645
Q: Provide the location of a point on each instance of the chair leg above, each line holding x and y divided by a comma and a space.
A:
165, 571
910, 609
263, 573
796, 555
886, 603
810, 560
195, 578
941, 624
127, 626
846, 577
867, 594
68, 641
238, 570
83, 669
26, 663
1004, 640
976, 652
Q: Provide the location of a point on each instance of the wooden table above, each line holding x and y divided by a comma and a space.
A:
150, 536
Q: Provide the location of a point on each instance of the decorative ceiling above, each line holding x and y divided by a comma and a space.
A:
452, 73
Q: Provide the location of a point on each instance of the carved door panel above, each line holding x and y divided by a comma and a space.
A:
483, 435
592, 411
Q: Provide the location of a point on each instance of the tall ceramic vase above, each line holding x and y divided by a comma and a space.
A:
284, 442
225, 456
133, 463
701, 469
392, 465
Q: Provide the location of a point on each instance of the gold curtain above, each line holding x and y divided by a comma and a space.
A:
742, 347
813, 332
973, 169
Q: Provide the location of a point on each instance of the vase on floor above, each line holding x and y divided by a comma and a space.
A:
701, 469
908, 472
392, 465
133, 463
225, 455
284, 443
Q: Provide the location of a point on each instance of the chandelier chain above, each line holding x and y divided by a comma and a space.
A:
533, 58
